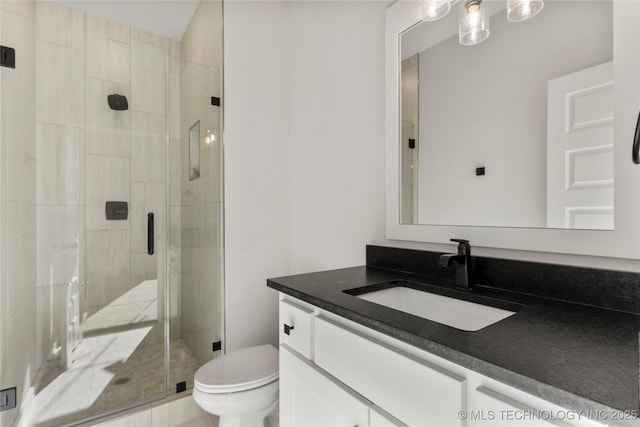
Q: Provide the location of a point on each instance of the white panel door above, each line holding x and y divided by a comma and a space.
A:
580, 149
308, 397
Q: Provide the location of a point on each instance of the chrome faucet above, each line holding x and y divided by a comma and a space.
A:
463, 263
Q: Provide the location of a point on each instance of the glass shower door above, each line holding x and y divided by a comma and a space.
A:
99, 212
101, 185
196, 223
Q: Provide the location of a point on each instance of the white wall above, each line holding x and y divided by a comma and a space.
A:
336, 142
304, 152
304, 167
256, 73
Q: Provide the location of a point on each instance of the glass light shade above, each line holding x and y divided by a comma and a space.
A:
432, 10
521, 10
473, 23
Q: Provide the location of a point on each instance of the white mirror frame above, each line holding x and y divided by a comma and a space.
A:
622, 242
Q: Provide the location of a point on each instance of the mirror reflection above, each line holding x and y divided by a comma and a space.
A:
515, 131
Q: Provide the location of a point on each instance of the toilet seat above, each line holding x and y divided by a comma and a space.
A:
240, 370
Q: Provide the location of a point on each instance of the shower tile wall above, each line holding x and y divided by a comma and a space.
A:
18, 355
200, 200
88, 154
60, 162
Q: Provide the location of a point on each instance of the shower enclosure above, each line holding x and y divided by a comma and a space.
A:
111, 243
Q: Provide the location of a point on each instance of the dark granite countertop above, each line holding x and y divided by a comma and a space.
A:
580, 357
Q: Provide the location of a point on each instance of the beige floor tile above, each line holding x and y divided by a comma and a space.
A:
110, 376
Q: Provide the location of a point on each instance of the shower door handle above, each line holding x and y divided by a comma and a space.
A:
150, 233
635, 151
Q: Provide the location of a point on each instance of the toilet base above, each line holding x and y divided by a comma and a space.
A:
258, 419
247, 408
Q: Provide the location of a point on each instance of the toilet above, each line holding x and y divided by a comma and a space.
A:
240, 387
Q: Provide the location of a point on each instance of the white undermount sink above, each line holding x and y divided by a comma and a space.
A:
453, 312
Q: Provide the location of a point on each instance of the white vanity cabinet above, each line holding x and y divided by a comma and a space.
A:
380, 418
500, 410
334, 372
399, 383
309, 397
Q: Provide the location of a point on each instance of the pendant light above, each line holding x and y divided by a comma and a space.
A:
473, 18
432, 10
521, 10
473, 22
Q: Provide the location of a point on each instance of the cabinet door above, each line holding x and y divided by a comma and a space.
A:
495, 409
310, 397
381, 418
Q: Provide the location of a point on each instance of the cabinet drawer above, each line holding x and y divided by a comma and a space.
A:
497, 410
295, 327
310, 398
411, 390
380, 418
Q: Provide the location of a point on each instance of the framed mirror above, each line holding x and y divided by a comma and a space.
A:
522, 141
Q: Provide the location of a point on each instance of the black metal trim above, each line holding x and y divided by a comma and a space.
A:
7, 57
8, 398
116, 210
635, 151
150, 233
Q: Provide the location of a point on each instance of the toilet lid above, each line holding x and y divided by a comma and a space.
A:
239, 370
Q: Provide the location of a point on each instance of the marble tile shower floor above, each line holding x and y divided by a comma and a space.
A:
110, 371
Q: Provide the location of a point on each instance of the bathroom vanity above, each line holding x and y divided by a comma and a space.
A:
522, 156
348, 361
567, 353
